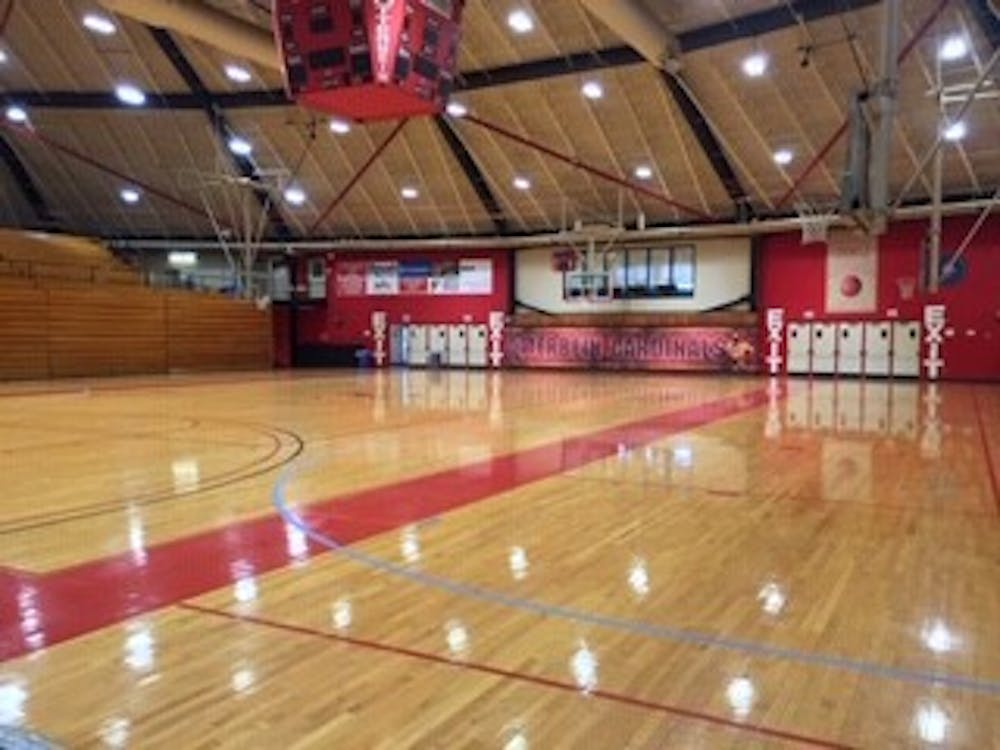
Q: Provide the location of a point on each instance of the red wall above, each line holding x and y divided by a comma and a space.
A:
793, 277
346, 322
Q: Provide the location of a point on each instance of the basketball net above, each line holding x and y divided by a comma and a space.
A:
815, 224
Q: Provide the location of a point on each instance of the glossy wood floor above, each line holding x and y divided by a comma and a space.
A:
453, 560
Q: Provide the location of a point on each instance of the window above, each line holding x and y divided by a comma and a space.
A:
638, 273
655, 272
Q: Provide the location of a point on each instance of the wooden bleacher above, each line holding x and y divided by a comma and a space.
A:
61, 322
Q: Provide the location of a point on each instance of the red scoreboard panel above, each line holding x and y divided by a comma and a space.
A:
369, 59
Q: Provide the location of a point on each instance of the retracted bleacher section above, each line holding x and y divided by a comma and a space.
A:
68, 308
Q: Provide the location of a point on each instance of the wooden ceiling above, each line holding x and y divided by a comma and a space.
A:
640, 120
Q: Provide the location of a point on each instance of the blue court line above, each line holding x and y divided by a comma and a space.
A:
650, 630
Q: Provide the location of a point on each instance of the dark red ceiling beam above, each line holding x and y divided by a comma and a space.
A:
357, 177
28, 132
583, 166
920, 33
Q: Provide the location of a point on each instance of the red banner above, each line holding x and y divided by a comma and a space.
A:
682, 349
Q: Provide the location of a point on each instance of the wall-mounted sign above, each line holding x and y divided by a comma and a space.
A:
682, 349
469, 277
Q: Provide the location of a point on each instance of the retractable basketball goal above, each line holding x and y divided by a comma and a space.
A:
238, 207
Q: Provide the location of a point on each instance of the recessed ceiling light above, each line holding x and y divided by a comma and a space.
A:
240, 146
520, 21
17, 114
340, 127
295, 195
956, 131
457, 109
783, 157
953, 48
592, 90
238, 74
3, 57
755, 65
522, 183
99, 24
644, 172
130, 195
130, 95
409, 193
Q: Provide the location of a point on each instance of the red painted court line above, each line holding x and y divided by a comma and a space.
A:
990, 465
81, 599
507, 674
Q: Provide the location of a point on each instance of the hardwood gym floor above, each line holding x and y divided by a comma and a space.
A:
475, 560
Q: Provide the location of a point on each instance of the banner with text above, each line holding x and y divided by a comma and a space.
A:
682, 349
469, 276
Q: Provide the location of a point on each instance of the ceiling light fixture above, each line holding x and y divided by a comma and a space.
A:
409, 193
17, 114
956, 131
755, 65
520, 21
644, 172
522, 183
130, 195
457, 109
953, 48
783, 157
340, 127
238, 74
99, 24
240, 146
592, 90
295, 195
130, 95
3, 57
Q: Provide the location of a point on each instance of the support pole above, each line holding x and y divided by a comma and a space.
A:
934, 262
970, 97
885, 94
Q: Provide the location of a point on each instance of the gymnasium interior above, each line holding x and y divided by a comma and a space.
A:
514, 374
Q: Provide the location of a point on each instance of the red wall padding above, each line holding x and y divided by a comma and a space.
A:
792, 277
342, 322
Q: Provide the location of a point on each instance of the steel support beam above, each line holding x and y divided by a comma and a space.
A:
356, 178
472, 173
782, 16
919, 34
987, 18
179, 101
95, 164
244, 165
710, 145
741, 27
588, 168
26, 184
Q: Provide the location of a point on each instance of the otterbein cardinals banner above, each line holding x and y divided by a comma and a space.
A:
682, 349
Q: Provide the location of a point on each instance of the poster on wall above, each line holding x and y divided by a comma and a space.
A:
677, 349
445, 278
469, 276
383, 278
349, 278
475, 276
851, 273
414, 277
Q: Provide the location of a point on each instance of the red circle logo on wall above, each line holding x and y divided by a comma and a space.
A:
850, 286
